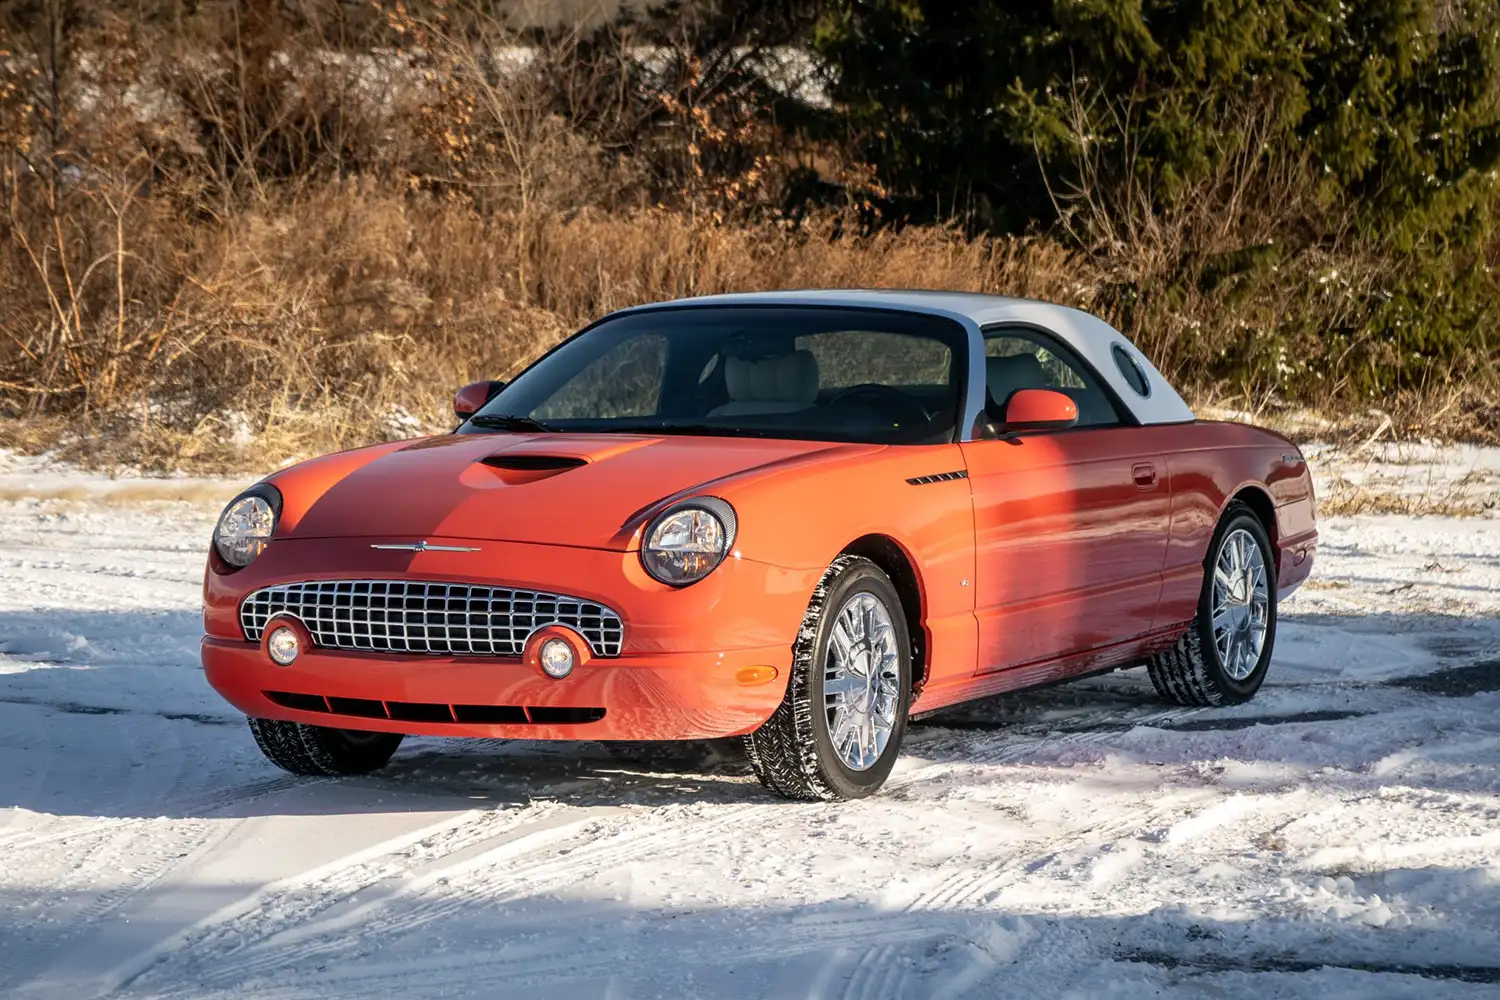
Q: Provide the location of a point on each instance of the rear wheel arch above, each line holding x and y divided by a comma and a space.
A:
887, 553
1194, 671
1259, 502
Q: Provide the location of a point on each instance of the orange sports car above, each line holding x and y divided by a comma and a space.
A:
798, 518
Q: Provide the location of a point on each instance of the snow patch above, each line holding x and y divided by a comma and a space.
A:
1337, 837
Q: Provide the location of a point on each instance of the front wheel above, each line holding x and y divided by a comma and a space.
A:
318, 750
838, 730
1223, 657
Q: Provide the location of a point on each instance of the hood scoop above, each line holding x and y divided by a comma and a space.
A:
527, 462
519, 468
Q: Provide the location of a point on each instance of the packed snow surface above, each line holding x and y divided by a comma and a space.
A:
1339, 836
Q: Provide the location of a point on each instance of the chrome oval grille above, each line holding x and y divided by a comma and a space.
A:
441, 619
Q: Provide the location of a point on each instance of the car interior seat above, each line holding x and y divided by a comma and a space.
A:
781, 384
1004, 375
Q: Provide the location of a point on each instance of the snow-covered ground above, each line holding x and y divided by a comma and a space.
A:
1338, 836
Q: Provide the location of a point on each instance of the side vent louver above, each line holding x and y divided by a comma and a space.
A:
941, 477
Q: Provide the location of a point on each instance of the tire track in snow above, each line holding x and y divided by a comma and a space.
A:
873, 928
861, 930
146, 850
546, 966
204, 806
247, 925
878, 972
1014, 745
146, 857
550, 871
142, 851
516, 868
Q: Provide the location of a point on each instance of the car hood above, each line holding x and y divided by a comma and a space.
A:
555, 489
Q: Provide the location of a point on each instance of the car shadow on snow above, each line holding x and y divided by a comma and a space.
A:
108, 714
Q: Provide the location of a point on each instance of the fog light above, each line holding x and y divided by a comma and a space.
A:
283, 646
556, 658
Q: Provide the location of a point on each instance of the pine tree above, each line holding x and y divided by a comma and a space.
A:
991, 109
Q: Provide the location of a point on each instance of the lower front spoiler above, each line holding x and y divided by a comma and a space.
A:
670, 696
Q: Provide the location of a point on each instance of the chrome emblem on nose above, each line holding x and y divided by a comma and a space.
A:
422, 546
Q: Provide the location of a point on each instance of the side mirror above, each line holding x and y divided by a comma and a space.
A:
468, 400
1039, 410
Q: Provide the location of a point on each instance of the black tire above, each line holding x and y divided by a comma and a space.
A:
317, 750
1190, 673
793, 752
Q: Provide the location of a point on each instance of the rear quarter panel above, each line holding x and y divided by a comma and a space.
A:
1209, 464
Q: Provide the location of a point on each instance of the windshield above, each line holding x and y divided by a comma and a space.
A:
829, 374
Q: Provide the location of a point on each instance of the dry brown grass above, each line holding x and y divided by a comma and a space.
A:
335, 316
1349, 499
134, 494
331, 315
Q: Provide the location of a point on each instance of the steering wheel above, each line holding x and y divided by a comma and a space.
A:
898, 404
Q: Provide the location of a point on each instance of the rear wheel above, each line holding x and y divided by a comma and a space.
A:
1223, 657
838, 730
318, 750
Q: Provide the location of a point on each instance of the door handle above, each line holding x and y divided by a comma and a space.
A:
1144, 475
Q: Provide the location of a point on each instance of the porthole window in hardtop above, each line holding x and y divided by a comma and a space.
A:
1135, 375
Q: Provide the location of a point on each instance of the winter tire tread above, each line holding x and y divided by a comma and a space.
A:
1184, 674
784, 751
319, 751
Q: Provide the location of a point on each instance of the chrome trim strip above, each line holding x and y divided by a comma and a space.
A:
423, 546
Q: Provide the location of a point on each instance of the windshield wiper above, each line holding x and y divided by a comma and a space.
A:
708, 430
509, 422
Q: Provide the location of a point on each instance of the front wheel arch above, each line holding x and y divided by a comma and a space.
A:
894, 560
795, 753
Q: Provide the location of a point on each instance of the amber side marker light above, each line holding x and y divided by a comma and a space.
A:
749, 676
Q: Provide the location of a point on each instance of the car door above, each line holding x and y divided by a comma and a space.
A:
1071, 525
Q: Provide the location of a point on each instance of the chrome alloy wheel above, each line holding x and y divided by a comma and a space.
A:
1242, 604
861, 675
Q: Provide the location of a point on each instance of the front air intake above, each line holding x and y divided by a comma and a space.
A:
436, 712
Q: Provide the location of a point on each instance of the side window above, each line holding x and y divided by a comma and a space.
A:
1020, 359
625, 381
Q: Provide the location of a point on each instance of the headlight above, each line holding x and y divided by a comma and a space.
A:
245, 527
685, 542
